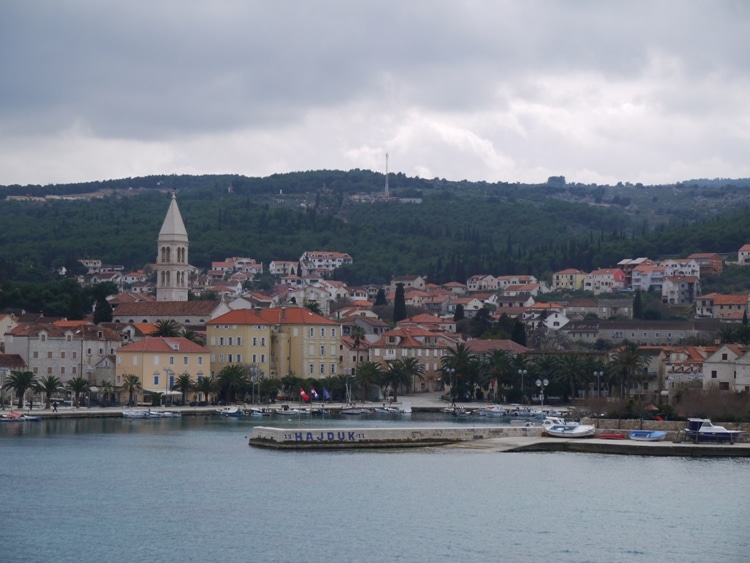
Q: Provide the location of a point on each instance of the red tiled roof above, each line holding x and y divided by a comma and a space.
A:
157, 345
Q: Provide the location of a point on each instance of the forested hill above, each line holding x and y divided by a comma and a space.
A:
458, 229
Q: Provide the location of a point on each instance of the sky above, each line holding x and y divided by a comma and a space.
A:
598, 91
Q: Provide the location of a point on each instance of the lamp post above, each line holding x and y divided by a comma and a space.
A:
522, 373
542, 383
598, 374
167, 374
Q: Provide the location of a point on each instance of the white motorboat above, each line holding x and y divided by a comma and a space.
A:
233, 411
352, 409
703, 430
558, 428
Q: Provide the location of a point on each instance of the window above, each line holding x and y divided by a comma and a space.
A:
229, 358
62, 370
36, 354
231, 341
333, 333
262, 358
333, 369
724, 357
221, 341
184, 360
312, 369
156, 379
255, 358
263, 341
714, 375
239, 341
239, 358
255, 341
171, 360
312, 332
322, 333
322, 350
200, 360
322, 369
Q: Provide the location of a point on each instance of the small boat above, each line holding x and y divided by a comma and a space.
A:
493, 411
263, 411
558, 428
292, 412
135, 413
231, 412
169, 414
354, 410
612, 436
702, 430
648, 435
14, 416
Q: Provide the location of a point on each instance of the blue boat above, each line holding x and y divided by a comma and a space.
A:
648, 435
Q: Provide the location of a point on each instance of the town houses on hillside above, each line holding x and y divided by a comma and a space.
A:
312, 326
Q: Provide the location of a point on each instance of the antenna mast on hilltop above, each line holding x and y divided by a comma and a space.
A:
387, 192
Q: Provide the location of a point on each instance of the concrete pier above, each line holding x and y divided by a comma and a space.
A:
497, 439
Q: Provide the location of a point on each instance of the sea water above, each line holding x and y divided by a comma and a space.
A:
192, 489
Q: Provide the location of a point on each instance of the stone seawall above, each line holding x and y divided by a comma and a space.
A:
327, 438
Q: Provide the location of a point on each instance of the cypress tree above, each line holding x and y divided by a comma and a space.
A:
399, 304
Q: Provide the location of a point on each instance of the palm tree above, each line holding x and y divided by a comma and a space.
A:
313, 307
190, 335
206, 386
627, 366
20, 382
414, 369
401, 373
132, 385
369, 373
167, 328
498, 366
48, 385
463, 366
231, 380
570, 366
107, 388
184, 384
78, 385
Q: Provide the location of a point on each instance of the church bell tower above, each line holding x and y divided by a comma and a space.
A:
172, 257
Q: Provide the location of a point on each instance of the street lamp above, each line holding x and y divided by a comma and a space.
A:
542, 383
598, 374
522, 373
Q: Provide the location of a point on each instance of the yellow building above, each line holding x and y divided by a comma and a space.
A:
157, 361
303, 344
278, 342
239, 337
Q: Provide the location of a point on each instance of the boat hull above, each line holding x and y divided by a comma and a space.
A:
648, 435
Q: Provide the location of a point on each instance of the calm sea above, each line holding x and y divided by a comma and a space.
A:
191, 489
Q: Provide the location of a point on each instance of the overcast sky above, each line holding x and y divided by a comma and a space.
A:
595, 90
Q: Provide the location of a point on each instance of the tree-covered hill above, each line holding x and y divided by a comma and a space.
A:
459, 229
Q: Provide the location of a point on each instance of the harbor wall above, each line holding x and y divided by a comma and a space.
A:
265, 436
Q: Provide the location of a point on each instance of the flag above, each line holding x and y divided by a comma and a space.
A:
313, 392
326, 394
304, 396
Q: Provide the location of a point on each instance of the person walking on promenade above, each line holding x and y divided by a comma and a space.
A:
54, 406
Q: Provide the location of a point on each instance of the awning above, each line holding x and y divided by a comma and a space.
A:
162, 391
